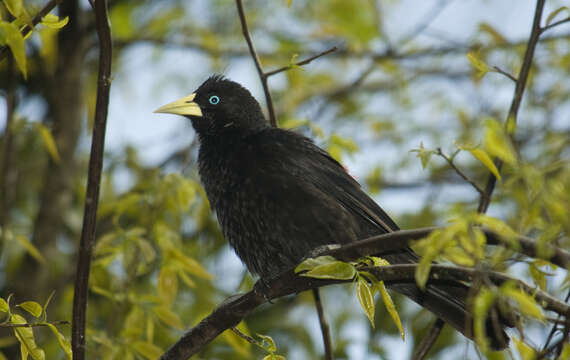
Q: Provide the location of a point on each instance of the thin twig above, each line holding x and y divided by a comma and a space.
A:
255, 57
300, 63
458, 171
246, 337
87, 241
554, 328
26, 29
29, 325
503, 72
428, 341
550, 26
325, 331
485, 199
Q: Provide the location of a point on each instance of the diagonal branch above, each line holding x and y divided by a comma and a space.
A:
237, 307
300, 63
87, 241
458, 171
257, 62
263, 76
485, 198
26, 29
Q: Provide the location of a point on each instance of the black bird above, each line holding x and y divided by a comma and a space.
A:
278, 196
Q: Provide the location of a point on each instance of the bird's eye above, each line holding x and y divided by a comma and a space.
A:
214, 99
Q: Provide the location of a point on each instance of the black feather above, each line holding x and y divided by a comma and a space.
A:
278, 196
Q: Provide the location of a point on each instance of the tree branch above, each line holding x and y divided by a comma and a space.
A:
325, 331
485, 198
554, 24
458, 171
235, 308
300, 63
253, 53
428, 341
87, 241
26, 29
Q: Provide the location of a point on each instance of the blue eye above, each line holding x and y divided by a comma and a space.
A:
214, 99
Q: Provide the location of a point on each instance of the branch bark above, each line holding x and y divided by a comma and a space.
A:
235, 308
485, 198
87, 241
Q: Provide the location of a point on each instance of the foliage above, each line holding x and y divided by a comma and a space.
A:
396, 84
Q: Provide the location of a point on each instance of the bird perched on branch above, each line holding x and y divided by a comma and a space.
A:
278, 196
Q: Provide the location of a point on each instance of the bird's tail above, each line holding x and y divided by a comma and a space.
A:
449, 302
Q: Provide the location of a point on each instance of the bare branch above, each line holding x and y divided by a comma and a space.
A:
325, 331
554, 24
517, 98
429, 340
39, 324
458, 171
503, 72
253, 53
87, 241
300, 63
26, 29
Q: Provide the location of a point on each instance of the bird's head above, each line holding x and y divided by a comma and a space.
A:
218, 105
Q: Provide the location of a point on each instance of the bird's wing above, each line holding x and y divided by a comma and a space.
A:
316, 166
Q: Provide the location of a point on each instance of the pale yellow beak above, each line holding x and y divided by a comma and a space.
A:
184, 106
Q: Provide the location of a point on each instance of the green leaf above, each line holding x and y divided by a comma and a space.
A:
14, 7
274, 357
269, 343
30, 248
366, 298
390, 307
497, 37
498, 143
11, 36
481, 306
423, 154
525, 351
538, 276
338, 270
186, 279
147, 350
190, 265
49, 143
422, 272
146, 249
53, 22
553, 14
496, 225
63, 342
478, 64
168, 317
526, 304
167, 285
311, 263
4, 307
31, 307
25, 336
486, 160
